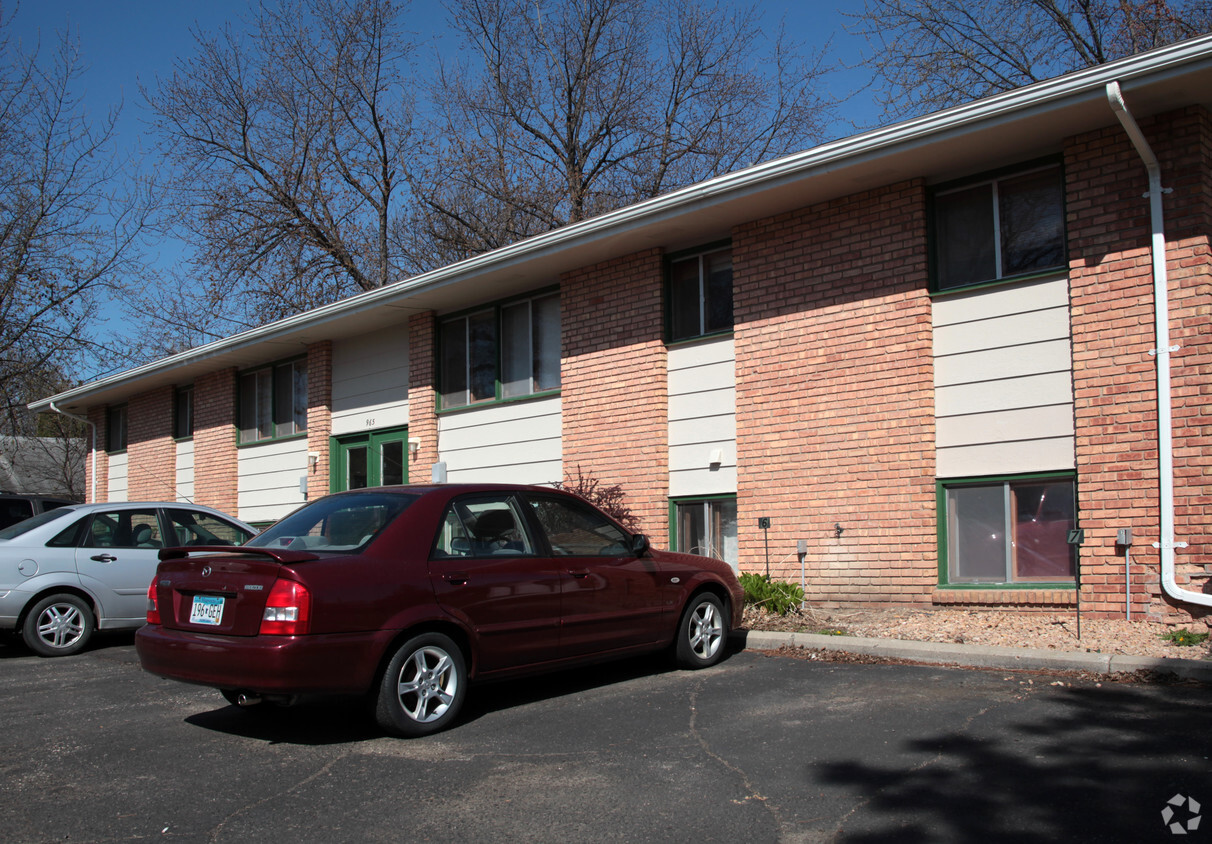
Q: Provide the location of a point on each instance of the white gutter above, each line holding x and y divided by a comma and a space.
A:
1161, 308
92, 492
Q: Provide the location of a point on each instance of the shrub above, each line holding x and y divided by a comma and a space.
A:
611, 500
771, 595
1184, 637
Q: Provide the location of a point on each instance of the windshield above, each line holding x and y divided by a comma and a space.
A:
336, 523
25, 526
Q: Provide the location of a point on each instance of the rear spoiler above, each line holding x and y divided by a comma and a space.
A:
281, 555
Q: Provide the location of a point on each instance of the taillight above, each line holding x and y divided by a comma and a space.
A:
287, 610
153, 610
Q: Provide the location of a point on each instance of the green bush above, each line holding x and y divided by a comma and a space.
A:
1184, 637
771, 595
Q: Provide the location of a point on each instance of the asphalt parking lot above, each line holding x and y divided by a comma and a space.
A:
759, 748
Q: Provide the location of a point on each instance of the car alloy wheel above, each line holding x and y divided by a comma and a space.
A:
423, 687
702, 633
58, 625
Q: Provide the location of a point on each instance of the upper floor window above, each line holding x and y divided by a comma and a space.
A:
501, 352
115, 428
700, 293
273, 401
183, 413
999, 228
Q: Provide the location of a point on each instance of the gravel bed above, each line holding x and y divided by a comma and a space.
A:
1049, 631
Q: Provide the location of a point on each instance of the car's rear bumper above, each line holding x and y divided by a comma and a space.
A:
344, 663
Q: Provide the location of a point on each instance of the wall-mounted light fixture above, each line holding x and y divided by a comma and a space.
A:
313, 460
414, 448
837, 531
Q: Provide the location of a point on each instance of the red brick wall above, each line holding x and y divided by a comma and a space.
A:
150, 451
215, 464
834, 397
614, 388
319, 416
1111, 287
422, 395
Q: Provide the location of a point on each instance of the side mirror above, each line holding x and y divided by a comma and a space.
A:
639, 544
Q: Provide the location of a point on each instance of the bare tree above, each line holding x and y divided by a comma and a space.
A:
70, 225
930, 54
288, 144
569, 108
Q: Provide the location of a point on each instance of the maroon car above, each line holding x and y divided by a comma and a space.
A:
408, 593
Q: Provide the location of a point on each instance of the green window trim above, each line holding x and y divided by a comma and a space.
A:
275, 412
526, 357
943, 485
675, 539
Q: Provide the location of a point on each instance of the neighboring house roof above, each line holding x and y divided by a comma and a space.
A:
991, 132
42, 466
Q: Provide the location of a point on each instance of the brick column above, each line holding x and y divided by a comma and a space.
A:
422, 395
216, 467
614, 382
319, 416
150, 450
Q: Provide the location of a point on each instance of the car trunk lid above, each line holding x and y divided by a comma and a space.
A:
220, 590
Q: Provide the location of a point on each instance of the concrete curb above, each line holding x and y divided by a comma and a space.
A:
974, 656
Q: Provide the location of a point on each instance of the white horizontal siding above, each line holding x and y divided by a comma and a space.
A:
519, 442
370, 382
116, 489
267, 484
1003, 380
185, 470
702, 418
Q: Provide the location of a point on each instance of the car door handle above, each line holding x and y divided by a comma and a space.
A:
458, 578
579, 574
103, 558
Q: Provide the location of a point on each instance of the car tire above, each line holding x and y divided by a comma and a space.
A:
702, 632
58, 625
423, 687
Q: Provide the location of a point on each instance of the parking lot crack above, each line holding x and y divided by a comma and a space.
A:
303, 783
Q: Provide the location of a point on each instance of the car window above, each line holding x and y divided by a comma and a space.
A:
483, 526
337, 523
35, 522
13, 510
193, 528
576, 530
124, 529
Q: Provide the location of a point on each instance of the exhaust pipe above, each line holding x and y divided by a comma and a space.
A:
247, 699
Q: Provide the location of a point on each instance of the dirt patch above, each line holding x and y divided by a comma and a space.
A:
990, 628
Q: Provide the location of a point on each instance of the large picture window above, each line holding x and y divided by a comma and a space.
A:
273, 402
1012, 531
502, 352
700, 293
707, 527
999, 228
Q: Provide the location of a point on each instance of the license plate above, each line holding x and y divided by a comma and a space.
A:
207, 609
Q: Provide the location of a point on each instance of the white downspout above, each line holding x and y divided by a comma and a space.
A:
1161, 308
92, 493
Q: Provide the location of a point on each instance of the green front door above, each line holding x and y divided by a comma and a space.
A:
378, 458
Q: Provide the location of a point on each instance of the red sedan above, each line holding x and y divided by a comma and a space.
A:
409, 593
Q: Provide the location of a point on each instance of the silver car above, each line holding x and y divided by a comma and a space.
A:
70, 571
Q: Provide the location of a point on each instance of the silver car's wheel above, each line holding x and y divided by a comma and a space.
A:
58, 625
702, 632
423, 687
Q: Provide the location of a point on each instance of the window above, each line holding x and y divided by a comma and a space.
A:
999, 228
273, 402
1013, 531
700, 293
483, 527
707, 527
183, 413
124, 529
501, 352
115, 429
195, 528
576, 531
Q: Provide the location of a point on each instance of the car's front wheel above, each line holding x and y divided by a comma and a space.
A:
423, 687
58, 625
702, 632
